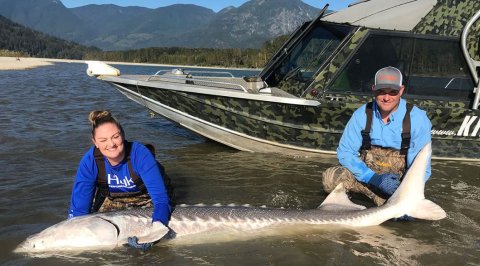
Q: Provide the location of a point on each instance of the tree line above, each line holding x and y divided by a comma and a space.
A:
230, 57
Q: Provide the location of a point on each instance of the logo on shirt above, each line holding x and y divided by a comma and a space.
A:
115, 182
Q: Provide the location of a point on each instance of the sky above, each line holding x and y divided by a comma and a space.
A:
215, 5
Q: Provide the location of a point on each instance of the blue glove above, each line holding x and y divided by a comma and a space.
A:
133, 242
387, 183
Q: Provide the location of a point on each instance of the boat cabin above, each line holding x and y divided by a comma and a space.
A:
325, 58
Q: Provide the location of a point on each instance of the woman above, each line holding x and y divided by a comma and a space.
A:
117, 174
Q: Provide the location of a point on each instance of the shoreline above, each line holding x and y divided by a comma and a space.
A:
25, 63
21, 63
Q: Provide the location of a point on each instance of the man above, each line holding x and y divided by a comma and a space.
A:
380, 141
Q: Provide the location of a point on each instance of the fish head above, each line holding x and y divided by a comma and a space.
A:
80, 233
33, 243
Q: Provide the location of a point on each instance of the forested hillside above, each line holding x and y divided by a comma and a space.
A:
20, 40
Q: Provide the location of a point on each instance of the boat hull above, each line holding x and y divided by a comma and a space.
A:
289, 127
232, 126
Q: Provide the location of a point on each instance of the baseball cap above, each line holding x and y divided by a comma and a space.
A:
388, 77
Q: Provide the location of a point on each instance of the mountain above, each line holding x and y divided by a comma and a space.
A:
251, 24
109, 17
133, 27
111, 27
49, 16
18, 38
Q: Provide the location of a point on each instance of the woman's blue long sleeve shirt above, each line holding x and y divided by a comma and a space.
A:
119, 179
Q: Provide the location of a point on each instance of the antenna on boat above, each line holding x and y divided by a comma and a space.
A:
472, 63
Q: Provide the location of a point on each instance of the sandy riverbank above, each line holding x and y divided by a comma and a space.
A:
22, 63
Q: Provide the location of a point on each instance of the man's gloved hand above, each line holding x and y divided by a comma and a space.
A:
387, 182
133, 242
404, 218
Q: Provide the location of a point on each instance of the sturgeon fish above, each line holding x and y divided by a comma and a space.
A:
111, 229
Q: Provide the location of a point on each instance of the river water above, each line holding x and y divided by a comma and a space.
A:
44, 132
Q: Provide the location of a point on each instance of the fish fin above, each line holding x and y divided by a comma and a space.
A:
413, 184
410, 194
428, 210
338, 200
156, 231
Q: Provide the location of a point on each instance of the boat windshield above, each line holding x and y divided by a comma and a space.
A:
296, 70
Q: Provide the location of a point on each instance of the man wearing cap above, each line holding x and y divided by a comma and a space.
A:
380, 141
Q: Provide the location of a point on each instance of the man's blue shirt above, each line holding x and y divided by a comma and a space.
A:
119, 180
387, 135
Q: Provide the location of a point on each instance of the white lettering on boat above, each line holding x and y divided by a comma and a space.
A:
464, 129
443, 132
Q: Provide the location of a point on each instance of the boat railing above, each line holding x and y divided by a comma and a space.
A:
472, 63
188, 79
199, 72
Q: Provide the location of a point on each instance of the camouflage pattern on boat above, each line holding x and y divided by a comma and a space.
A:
448, 18
289, 122
321, 126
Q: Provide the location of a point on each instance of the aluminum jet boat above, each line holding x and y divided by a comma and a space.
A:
302, 99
